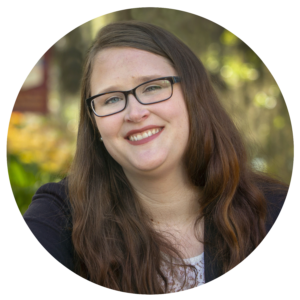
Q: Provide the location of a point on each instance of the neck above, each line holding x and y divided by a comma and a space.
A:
168, 200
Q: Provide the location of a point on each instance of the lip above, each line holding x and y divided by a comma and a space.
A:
146, 140
131, 132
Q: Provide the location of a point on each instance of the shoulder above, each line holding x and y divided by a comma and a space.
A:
50, 202
275, 194
55, 192
49, 219
50, 205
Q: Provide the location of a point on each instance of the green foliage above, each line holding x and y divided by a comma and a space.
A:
25, 179
228, 39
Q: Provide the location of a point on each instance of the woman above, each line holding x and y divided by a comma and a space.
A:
160, 196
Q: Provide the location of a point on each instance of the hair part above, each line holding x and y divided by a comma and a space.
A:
115, 244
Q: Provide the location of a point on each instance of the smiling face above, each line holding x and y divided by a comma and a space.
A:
141, 138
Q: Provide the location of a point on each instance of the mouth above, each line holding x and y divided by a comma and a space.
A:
144, 134
141, 140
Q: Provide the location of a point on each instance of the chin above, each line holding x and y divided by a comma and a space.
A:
147, 167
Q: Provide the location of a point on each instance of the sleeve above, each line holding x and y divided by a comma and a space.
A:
49, 219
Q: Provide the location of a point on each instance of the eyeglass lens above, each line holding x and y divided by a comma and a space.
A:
147, 93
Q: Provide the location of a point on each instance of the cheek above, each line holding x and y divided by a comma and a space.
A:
105, 131
108, 126
183, 115
99, 126
176, 112
168, 110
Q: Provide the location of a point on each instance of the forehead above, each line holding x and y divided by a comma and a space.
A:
115, 64
123, 68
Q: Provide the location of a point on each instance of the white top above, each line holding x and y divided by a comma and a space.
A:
175, 282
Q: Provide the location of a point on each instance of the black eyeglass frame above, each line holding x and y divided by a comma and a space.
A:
171, 79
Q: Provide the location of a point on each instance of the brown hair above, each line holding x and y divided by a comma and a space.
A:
115, 245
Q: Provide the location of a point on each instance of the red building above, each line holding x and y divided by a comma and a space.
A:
33, 96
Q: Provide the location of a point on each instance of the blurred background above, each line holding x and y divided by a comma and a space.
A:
43, 126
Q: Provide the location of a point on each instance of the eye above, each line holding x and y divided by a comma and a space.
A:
113, 100
152, 88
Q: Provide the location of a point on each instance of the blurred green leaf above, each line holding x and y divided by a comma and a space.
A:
18, 175
25, 179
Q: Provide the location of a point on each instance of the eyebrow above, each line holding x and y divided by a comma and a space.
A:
139, 81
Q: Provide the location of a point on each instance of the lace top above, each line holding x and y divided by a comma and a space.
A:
194, 278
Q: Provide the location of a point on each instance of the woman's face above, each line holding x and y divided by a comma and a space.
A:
123, 69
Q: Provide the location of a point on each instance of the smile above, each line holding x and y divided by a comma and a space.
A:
144, 134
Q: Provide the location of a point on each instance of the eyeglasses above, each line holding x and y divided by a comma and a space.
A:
149, 92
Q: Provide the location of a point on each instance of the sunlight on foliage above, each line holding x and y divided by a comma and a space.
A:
235, 71
260, 164
211, 58
261, 99
279, 122
228, 38
33, 141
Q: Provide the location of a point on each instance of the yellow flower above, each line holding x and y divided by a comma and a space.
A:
35, 141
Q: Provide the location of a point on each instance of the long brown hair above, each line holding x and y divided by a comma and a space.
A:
115, 245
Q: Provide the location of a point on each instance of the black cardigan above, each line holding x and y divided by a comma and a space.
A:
49, 219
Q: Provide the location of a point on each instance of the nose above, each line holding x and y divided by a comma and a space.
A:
135, 111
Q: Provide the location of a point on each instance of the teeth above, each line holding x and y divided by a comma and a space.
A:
143, 135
